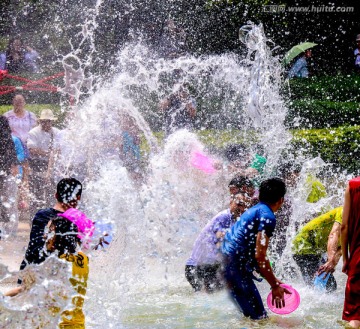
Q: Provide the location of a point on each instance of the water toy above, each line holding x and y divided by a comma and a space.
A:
321, 281
292, 301
202, 162
85, 225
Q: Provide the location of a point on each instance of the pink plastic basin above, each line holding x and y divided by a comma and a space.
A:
292, 301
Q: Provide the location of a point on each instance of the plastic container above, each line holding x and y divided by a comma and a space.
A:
292, 301
85, 225
202, 162
321, 281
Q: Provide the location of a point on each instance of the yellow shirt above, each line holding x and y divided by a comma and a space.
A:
317, 191
75, 318
312, 238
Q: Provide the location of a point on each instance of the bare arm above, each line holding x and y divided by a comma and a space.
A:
333, 250
262, 243
344, 230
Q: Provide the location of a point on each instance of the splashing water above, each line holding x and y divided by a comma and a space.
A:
138, 282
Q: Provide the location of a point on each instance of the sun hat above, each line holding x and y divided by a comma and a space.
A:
47, 114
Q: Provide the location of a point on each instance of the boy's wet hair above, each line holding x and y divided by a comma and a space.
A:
68, 189
66, 239
240, 181
272, 190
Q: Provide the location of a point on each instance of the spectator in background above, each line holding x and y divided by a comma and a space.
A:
179, 111
357, 53
172, 41
300, 68
21, 121
18, 57
8, 172
40, 144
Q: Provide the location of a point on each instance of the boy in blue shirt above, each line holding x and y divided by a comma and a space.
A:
245, 247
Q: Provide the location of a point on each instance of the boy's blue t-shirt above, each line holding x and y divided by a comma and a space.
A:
240, 240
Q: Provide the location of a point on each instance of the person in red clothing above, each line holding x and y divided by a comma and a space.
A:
350, 245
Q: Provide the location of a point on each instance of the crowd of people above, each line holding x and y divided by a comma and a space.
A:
19, 57
32, 160
231, 250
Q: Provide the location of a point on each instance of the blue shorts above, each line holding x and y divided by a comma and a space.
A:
240, 281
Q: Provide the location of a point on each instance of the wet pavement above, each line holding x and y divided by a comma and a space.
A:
12, 251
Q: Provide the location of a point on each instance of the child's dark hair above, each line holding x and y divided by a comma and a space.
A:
235, 151
66, 239
68, 189
272, 190
240, 181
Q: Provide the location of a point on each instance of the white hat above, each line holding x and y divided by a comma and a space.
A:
47, 114
358, 37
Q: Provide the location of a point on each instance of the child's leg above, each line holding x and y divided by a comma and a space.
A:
192, 277
244, 292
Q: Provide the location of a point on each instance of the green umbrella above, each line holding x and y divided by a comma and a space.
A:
296, 50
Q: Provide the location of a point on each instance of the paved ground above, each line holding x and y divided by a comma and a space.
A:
11, 254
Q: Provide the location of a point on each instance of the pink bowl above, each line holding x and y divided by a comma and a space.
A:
202, 162
292, 301
85, 225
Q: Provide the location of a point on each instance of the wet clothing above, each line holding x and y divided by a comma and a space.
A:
205, 276
206, 247
240, 240
35, 252
203, 268
239, 248
74, 318
41, 190
258, 163
20, 153
8, 156
310, 246
313, 237
352, 291
243, 290
20, 127
317, 189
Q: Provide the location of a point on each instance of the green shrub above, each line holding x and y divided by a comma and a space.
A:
338, 146
339, 88
310, 113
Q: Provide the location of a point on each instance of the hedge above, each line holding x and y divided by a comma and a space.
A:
339, 88
337, 146
310, 113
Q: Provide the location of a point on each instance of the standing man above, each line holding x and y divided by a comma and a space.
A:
245, 247
40, 144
